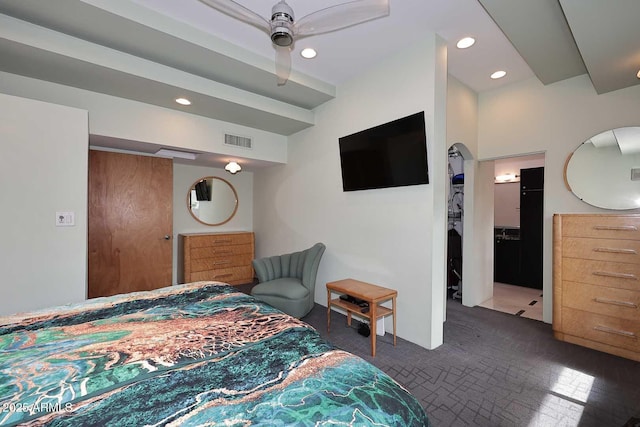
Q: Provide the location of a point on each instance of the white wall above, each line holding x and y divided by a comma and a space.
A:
481, 253
382, 236
462, 116
529, 117
183, 178
44, 152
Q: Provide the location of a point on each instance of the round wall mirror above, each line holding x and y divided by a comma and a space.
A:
212, 200
604, 171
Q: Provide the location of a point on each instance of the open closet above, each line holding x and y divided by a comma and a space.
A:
455, 214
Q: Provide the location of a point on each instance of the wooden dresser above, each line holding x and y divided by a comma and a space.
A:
596, 282
224, 257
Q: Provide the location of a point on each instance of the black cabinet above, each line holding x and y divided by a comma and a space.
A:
531, 222
532, 179
506, 260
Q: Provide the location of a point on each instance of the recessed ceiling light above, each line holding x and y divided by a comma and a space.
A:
308, 53
183, 101
498, 74
465, 42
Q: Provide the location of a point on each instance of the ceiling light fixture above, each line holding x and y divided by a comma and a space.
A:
183, 101
465, 42
308, 53
233, 168
498, 74
638, 75
507, 177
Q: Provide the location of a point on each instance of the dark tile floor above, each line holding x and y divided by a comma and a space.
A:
496, 369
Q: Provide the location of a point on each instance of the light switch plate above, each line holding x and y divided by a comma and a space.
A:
635, 174
65, 219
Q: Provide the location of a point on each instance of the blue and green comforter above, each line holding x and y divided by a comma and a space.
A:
194, 354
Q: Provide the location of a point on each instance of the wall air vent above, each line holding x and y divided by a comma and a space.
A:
237, 141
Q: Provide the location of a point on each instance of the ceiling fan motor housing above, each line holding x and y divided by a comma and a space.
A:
281, 24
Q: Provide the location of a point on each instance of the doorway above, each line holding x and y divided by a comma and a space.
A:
130, 223
518, 236
465, 272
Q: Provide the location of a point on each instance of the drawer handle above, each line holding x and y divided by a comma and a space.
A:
609, 330
616, 227
616, 251
615, 302
226, 261
616, 275
223, 241
222, 276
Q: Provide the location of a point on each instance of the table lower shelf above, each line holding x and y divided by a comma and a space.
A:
381, 311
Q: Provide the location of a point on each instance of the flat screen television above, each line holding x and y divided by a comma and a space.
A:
390, 155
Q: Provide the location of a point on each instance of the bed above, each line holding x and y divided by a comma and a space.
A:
195, 354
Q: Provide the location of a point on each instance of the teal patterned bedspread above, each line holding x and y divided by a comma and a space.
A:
195, 354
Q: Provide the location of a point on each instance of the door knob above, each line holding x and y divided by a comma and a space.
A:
167, 237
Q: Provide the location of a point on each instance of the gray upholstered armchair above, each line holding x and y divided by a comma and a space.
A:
288, 281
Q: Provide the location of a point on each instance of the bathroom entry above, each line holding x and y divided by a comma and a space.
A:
518, 220
518, 224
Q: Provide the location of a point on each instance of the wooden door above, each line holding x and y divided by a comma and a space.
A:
130, 223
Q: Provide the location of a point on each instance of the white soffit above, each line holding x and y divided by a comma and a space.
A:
539, 32
608, 36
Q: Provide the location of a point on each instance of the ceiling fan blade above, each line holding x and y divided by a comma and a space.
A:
340, 16
283, 64
237, 11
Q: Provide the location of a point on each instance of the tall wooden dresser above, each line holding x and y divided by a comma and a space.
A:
224, 257
596, 282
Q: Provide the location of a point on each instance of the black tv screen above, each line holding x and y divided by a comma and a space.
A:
390, 155
203, 194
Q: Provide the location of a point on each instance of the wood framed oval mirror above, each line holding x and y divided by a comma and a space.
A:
212, 200
604, 171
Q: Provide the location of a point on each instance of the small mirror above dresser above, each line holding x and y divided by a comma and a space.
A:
212, 200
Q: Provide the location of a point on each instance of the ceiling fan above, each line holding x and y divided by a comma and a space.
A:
284, 29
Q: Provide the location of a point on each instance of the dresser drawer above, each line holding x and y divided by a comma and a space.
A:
232, 275
626, 227
602, 249
612, 302
622, 333
602, 273
222, 239
213, 263
221, 251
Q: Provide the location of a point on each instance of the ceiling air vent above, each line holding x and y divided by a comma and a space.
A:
237, 141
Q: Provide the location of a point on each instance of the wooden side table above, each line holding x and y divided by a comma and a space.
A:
373, 294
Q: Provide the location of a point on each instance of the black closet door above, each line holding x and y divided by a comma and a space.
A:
531, 220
